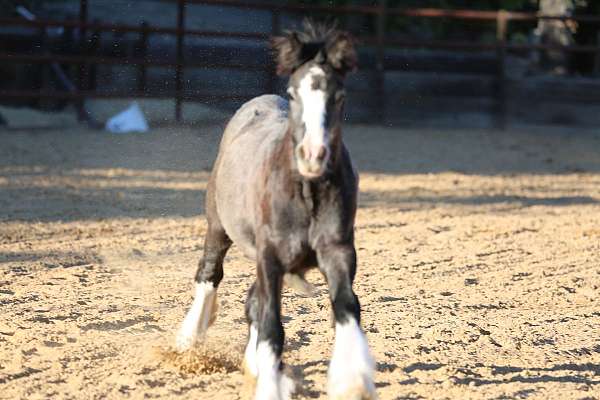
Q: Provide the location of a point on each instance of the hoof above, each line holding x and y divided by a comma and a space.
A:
249, 372
365, 392
287, 387
281, 388
185, 341
352, 367
272, 383
352, 387
200, 316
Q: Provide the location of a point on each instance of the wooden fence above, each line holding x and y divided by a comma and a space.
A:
91, 33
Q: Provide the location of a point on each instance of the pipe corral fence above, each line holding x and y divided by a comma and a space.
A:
90, 35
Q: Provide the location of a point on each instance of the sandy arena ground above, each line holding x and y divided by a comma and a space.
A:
479, 267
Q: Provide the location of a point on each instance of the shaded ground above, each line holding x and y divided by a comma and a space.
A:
478, 267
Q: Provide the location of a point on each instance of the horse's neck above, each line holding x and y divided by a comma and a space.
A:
336, 148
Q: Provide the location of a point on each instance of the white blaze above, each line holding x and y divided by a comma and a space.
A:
313, 113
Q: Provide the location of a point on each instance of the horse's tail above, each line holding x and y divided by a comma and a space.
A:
299, 284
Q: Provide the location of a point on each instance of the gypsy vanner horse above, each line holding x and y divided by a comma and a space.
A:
284, 190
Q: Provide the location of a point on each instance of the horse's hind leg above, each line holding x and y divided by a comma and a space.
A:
351, 368
252, 313
208, 276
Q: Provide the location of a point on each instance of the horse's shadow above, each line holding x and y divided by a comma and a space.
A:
528, 379
523, 374
542, 378
305, 387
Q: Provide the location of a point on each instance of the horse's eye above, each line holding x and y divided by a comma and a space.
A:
291, 94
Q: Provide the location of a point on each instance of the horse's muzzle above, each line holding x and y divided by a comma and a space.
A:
312, 163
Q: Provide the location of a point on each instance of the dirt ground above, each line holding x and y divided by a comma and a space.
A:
479, 267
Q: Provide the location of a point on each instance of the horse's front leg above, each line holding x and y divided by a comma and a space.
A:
208, 276
351, 368
271, 383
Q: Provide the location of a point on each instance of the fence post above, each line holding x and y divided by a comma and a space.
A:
597, 61
380, 61
179, 69
82, 70
272, 71
142, 54
501, 33
40, 79
92, 81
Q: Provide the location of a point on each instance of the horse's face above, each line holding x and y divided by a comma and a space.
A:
316, 94
317, 66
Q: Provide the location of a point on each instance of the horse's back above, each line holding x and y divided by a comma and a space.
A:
250, 138
252, 134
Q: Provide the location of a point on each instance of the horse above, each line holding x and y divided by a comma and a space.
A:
284, 190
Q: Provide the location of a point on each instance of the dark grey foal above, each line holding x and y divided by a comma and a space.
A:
283, 189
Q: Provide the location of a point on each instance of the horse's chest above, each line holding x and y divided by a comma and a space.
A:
289, 233
293, 248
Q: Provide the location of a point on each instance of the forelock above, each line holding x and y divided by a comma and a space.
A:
316, 32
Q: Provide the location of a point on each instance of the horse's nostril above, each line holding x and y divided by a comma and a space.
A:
301, 153
321, 154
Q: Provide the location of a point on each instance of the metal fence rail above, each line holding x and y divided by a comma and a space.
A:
380, 41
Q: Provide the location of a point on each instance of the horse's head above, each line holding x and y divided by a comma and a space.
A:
316, 60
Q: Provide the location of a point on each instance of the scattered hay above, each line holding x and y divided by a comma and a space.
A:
203, 360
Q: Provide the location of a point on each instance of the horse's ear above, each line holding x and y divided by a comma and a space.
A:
341, 53
288, 49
